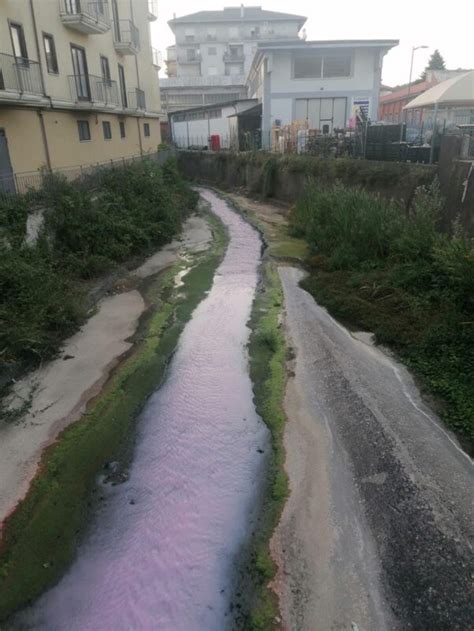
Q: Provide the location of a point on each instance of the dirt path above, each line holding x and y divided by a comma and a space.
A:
60, 390
378, 528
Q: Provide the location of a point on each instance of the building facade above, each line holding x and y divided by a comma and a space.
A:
214, 52
201, 126
322, 84
78, 82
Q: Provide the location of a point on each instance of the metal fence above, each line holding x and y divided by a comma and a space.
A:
31, 181
369, 141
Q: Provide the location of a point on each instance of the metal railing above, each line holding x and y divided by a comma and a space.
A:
136, 100
234, 56
93, 89
126, 33
209, 80
97, 11
153, 8
157, 58
195, 59
20, 75
29, 181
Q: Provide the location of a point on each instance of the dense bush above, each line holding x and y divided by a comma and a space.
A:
395, 274
90, 225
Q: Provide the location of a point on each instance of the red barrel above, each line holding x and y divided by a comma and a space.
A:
215, 142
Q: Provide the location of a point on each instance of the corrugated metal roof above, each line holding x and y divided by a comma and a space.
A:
234, 14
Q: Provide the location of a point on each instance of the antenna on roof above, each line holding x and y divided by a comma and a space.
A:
174, 16
304, 35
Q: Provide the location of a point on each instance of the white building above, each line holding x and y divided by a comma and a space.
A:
195, 127
322, 83
214, 52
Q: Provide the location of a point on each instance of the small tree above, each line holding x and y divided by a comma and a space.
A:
436, 61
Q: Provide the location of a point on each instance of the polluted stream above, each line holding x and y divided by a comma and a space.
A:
163, 549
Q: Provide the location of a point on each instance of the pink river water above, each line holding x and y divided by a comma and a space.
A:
162, 550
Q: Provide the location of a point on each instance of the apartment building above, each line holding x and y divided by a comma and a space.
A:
78, 83
214, 51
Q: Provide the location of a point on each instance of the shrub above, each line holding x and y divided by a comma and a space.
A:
90, 225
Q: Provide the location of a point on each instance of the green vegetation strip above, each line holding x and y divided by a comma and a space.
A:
267, 351
40, 538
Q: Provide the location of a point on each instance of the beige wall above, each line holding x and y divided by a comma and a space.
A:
22, 126
25, 143
28, 153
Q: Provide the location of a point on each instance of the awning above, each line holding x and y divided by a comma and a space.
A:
456, 91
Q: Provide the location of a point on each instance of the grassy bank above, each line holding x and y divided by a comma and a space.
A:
382, 270
267, 350
90, 227
40, 538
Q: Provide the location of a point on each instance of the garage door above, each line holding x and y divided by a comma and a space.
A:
323, 114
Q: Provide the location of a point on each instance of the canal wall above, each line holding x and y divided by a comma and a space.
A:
283, 177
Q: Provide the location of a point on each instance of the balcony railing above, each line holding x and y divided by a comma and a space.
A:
185, 59
136, 100
84, 16
152, 10
234, 55
157, 58
206, 81
126, 37
93, 89
20, 75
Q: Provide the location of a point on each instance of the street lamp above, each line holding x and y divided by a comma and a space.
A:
411, 68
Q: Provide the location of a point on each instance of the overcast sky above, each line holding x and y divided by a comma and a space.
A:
447, 26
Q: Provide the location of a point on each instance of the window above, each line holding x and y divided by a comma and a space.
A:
81, 74
84, 130
212, 50
211, 34
192, 54
337, 66
189, 35
50, 54
106, 128
122, 129
105, 68
73, 6
123, 86
326, 66
18, 41
146, 129
307, 67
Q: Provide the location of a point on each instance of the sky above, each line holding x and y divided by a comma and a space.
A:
448, 27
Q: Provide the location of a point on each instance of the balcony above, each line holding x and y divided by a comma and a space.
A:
207, 81
126, 37
18, 75
157, 58
91, 18
190, 59
152, 10
234, 56
136, 100
91, 89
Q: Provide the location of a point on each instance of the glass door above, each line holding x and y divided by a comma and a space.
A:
81, 75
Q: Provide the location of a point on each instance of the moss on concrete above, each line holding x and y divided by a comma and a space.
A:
267, 349
40, 538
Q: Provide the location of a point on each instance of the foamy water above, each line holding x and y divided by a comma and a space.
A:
162, 550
